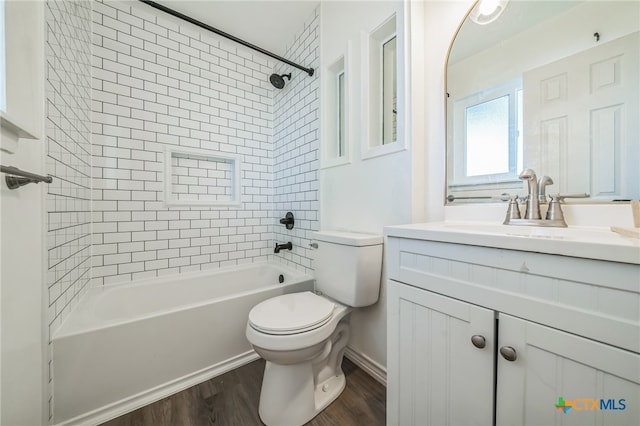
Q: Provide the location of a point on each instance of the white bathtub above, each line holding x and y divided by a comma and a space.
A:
127, 345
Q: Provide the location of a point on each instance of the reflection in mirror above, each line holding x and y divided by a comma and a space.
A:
389, 92
487, 11
487, 138
551, 86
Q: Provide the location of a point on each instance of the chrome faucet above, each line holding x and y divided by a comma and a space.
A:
537, 193
533, 206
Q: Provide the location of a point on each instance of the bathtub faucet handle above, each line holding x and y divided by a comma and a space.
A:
288, 220
279, 247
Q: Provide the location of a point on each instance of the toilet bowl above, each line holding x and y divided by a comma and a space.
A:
302, 336
303, 355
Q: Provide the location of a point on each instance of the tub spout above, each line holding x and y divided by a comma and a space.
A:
279, 247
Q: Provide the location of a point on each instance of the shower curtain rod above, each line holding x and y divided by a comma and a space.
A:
20, 177
226, 35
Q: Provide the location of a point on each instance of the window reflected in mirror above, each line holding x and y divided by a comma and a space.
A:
487, 137
493, 137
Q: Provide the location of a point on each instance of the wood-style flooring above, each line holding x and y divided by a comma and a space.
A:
232, 399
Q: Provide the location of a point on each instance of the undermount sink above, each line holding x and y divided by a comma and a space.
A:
586, 242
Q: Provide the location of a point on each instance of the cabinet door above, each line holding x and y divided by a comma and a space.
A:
600, 383
436, 376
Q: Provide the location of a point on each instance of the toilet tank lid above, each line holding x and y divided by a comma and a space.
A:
348, 238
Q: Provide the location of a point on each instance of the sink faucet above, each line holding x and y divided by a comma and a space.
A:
279, 247
537, 193
533, 206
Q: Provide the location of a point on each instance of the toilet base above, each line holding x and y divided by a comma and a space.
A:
329, 391
289, 397
293, 394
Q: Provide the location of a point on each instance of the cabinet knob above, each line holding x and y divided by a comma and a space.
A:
478, 341
508, 353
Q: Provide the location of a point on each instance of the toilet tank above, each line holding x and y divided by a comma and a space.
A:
348, 266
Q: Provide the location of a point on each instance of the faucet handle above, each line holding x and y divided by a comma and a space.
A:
554, 212
513, 210
561, 197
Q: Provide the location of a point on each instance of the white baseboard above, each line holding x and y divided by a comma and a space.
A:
149, 396
374, 369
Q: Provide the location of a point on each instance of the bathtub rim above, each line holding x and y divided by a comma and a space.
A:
61, 333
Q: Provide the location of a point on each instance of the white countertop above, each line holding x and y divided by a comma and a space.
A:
586, 242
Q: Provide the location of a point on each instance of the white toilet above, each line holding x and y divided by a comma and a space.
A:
302, 336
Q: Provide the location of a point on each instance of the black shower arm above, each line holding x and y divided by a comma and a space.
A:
226, 35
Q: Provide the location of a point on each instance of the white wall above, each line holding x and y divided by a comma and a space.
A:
22, 360
365, 194
441, 21
405, 187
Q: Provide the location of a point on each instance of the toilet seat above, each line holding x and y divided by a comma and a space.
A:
291, 314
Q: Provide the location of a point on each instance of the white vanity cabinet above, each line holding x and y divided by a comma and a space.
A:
571, 327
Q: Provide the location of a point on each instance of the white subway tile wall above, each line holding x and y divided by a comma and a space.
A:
68, 138
297, 144
158, 81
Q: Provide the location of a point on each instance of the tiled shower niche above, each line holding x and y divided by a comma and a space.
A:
197, 177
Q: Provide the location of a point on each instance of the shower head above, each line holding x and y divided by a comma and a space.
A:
278, 80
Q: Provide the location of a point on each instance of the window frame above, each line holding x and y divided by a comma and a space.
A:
372, 44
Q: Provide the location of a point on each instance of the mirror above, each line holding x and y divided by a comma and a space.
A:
548, 85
